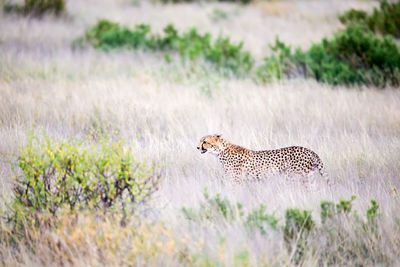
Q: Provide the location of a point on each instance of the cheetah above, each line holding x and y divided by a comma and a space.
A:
240, 163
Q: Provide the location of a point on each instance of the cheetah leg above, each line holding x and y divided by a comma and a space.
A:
233, 176
288, 178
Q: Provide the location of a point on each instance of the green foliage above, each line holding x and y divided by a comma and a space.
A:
283, 63
214, 209
190, 45
385, 20
354, 16
242, 259
59, 176
298, 226
36, 8
258, 219
13, 8
217, 15
372, 217
344, 206
354, 56
191, 1
352, 233
107, 35
297, 222
329, 209
217, 209
372, 211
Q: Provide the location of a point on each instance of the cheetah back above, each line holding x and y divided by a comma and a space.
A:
289, 160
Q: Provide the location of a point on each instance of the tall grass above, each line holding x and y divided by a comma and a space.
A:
162, 110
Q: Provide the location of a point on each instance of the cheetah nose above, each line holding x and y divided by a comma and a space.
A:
198, 147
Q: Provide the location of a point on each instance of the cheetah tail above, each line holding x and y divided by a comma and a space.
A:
324, 174
321, 170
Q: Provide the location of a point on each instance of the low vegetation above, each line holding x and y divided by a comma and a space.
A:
217, 209
344, 235
123, 238
191, 1
70, 176
190, 45
384, 20
354, 56
37, 8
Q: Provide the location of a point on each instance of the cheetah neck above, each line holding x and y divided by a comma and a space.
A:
227, 148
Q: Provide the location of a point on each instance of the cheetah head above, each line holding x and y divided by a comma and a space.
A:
211, 143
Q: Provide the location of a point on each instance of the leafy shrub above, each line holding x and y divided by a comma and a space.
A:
354, 16
59, 176
217, 15
190, 45
327, 210
298, 226
258, 218
214, 209
345, 206
385, 20
344, 238
107, 35
372, 217
92, 238
372, 212
283, 63
217, 209
330, 209
354, 56
190, 1
37, 8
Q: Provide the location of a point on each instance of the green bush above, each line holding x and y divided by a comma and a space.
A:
345, 206
354, 16
190, 45
37, 8
298, 226
372, 217
385, 20
282, 64
107, 35
217, 15
354, 56
372, 212
191, 1
345, 236
59, 176
259, 218
329, 209
215, 209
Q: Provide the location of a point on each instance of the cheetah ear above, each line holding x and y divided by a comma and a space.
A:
218, 135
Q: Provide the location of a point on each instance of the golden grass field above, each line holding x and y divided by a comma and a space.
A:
164, 109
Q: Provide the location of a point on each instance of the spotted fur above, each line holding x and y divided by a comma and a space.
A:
240, 163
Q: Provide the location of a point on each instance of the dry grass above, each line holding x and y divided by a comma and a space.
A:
164, 110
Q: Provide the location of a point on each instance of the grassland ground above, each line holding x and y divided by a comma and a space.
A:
162, 109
